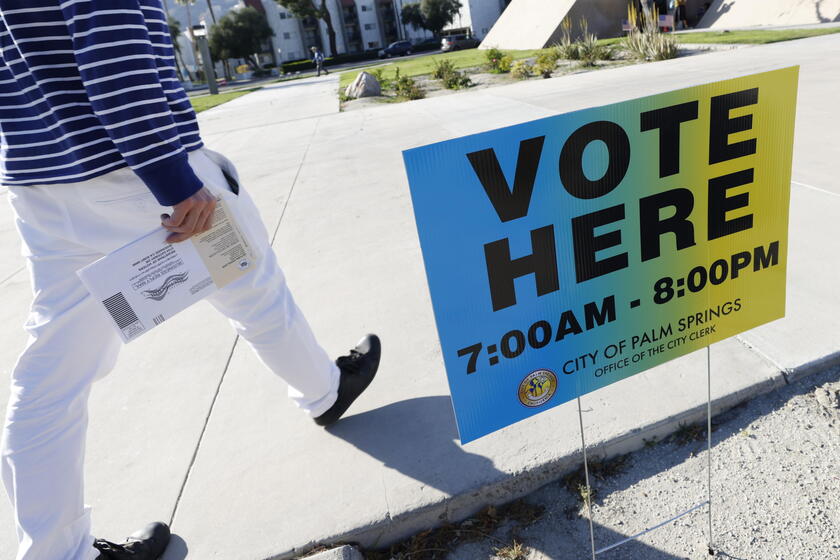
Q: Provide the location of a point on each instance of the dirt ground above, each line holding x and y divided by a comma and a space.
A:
775, 484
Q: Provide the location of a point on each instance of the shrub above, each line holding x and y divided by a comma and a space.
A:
662, 46
407, 87
546, 63
649, 43
505, 64
651, 46
567, 48
498, 62
442, 69
522, 69
384, 83
456, 80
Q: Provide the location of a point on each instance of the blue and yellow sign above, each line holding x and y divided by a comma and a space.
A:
574, 251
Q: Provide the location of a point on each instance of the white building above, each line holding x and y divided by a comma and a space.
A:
362, 25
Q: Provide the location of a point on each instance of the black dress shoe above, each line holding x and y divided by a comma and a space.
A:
357, 371
146, 544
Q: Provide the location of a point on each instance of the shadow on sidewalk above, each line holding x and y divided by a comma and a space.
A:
418, 438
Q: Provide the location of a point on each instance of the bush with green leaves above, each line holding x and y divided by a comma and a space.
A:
442, 68
649, 43
497, 61
566, 48
545, 63
651, 46
406, 86
522, 69
384, 83
589, 49
456, 80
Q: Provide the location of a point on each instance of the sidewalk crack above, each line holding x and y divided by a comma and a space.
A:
233, 347
203, 431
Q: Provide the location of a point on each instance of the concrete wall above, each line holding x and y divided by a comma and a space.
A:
527, 24
603, 18
749, 13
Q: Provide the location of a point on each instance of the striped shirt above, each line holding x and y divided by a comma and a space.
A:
89, 86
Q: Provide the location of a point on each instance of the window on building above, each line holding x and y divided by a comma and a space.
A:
282, 15
373, 44
287, 35
369, 26
364, 8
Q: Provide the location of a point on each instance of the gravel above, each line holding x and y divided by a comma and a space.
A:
775, 484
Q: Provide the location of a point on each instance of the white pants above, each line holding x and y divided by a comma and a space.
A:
71, 342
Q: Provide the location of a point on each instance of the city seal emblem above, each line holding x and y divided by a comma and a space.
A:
537, 388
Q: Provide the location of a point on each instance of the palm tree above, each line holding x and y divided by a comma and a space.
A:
189, 3
212, 14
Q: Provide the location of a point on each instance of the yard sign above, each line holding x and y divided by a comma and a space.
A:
574, 251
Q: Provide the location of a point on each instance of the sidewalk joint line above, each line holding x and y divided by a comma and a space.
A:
764, 356
203, 430
12, 275
812, 187
233, 347
294, 181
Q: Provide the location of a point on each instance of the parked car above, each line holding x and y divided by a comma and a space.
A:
397, 48
458, 42
430, 44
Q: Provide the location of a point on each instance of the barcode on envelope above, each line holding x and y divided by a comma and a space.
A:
120, 310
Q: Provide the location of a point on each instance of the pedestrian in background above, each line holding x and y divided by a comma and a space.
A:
99, 139
680, 15
318, 59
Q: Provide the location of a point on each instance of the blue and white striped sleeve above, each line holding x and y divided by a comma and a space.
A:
119, 66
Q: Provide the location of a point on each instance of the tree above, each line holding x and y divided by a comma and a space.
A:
433, 15
240, 34
313, 8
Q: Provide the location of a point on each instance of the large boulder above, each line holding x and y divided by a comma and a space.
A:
365, 85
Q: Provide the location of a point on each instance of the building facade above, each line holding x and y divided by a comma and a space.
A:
363, 25
360, 26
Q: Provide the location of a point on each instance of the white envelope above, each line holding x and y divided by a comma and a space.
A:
146, 282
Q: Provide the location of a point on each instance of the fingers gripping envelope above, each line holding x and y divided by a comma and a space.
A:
147, 281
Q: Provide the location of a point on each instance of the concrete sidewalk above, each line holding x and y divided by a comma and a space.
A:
191, 427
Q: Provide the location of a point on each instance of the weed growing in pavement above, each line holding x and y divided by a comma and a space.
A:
513, 551
437, 543
650, 442
599, 470
688, 433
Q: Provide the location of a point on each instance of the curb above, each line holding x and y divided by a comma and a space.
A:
345, 552
460, 507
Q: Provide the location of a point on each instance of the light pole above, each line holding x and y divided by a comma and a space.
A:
200, 34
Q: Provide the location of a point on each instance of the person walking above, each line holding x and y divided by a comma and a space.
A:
98, 139
318, 59
681, 15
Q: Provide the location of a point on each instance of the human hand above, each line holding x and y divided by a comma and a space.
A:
190, 217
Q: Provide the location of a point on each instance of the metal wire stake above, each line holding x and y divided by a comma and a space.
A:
709, 440
588, 488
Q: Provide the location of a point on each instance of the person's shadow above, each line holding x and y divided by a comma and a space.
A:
417, 438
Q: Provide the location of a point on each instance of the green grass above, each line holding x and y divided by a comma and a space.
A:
205, 102
754, 37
